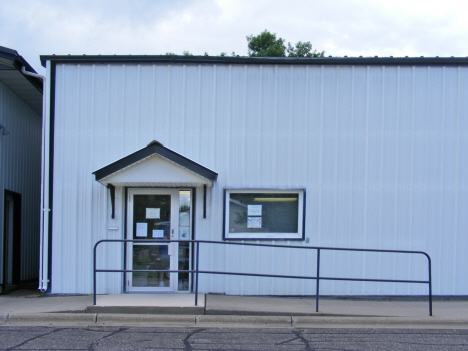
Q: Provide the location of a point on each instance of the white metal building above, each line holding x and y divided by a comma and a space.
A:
336, 152
20, 171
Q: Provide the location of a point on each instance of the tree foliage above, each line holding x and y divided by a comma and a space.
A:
303, 49
266, 44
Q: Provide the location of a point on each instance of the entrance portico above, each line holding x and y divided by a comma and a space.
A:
159, 186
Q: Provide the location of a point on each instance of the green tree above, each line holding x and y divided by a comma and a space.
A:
266, 44
303, 49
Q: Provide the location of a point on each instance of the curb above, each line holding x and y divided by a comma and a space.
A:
219, 321
379, 322
224, 321
146, 320
48, 319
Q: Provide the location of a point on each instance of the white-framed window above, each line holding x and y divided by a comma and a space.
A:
264, 214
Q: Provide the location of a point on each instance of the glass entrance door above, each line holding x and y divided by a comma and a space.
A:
157, 215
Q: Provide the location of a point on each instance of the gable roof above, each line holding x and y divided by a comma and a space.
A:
155, 165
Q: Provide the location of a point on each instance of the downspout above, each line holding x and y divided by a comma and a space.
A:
45, 210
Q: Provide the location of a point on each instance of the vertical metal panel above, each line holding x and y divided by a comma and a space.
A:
381, 152
20, 166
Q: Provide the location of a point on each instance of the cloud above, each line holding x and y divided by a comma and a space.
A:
340, 27
86, 27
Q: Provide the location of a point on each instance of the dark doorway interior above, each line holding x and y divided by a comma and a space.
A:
11, 241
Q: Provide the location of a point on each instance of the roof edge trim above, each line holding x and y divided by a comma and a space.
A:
155, 148
18, 62
176, 59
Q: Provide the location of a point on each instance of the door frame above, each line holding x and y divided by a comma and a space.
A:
15, 242
174, 235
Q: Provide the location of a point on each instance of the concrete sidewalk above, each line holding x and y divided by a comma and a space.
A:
25, 307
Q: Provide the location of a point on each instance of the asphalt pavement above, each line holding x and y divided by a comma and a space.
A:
29, 308
190, 339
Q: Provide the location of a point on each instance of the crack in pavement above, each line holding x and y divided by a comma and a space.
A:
96, 343
34, 338
187, 344
298, 334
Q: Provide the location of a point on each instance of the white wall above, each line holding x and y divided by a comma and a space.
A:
20, 167
381, 152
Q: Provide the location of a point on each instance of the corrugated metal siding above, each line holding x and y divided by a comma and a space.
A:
20, 167
381, 152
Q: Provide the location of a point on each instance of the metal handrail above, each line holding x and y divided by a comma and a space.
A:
317, 278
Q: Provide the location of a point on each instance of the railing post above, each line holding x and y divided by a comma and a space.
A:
94, 275
430, 286
317, 287
196, 273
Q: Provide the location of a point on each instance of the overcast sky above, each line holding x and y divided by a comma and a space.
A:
153, 27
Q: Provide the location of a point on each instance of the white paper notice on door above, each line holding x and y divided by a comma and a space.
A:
158, 233
142, 229
184, 233
153, 213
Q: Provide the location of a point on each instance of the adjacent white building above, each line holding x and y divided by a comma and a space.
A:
20, 171
337, 152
